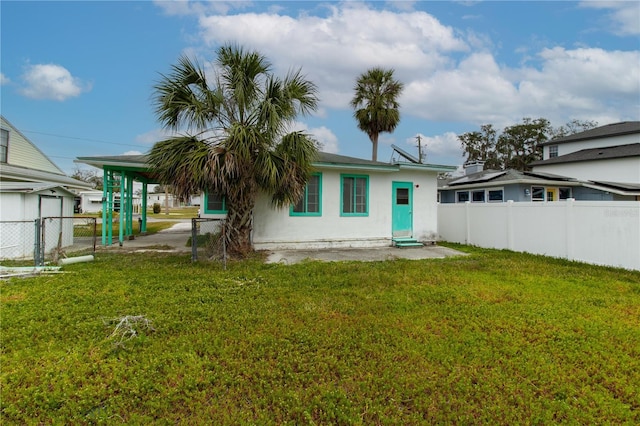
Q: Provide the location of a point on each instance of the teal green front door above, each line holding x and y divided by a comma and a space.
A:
402, 214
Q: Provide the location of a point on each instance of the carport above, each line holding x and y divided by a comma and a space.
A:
119, 173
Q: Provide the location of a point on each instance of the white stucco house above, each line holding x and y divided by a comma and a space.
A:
604, 157
31, 187
349, 202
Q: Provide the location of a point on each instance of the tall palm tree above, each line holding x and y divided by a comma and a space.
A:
236, 140
376, 105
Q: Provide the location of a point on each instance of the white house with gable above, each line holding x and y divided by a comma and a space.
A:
31, 187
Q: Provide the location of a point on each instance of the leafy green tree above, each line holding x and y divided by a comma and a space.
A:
238, 142
572, 127
520, 144
481, 146
376, 104
516, 146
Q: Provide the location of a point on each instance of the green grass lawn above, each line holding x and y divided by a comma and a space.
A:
490, 338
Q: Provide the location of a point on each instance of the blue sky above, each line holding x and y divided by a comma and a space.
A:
77, 77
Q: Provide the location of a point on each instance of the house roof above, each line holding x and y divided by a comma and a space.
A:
623, 186
53, 167
11, 173
325, 159
31, 187
614, 129
510, 177
593, 154
503, 177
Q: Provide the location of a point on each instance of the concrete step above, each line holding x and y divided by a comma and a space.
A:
406, 242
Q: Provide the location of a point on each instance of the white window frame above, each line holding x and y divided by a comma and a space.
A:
463, 192
488, 198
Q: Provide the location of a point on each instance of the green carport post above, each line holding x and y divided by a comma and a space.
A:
143, 227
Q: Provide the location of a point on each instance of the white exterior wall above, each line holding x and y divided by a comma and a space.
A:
91, 201
275, 229
612, 170
17, 239
604, 233
565, 148
21, 152
160, 198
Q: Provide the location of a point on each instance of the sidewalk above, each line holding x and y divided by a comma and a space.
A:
173, 239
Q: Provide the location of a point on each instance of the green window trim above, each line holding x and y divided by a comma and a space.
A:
310, 201
221, 201
354, 195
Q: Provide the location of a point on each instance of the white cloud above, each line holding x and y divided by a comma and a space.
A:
132, 153
186, 7
450, 75
623, 16
326, 138
51, 81
4, 79
153, 136
445, 145
334, 49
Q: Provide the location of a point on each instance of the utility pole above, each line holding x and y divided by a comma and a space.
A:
419, 138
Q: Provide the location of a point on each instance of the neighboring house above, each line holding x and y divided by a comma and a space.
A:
31, 187
498, 186
22, 161
348, 202
91, 202
162, 199
607, 157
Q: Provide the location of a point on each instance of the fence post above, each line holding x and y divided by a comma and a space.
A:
570, 227
510, 224
36, 245
194, 240
224, 244
467, 224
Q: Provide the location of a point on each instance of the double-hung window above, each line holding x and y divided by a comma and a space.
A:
214, 203
4, 146
355, 195
311, 202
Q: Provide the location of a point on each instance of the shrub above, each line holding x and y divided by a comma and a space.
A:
156, 208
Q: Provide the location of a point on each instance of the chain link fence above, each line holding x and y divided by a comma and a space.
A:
208, 240
48, 239
18, 239
67, 236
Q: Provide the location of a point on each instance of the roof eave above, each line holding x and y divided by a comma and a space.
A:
511, 182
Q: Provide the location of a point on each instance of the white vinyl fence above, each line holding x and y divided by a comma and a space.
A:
598, 232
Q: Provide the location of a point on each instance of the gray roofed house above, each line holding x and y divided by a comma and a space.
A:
497, 186
607, 157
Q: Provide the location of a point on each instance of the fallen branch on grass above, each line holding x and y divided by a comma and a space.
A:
126, 328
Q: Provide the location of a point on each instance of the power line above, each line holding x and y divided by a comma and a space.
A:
84, 139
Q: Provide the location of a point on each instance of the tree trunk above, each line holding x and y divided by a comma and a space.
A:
374, 145
239, 221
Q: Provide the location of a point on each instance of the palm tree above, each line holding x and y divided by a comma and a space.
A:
375, 104
237, 140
